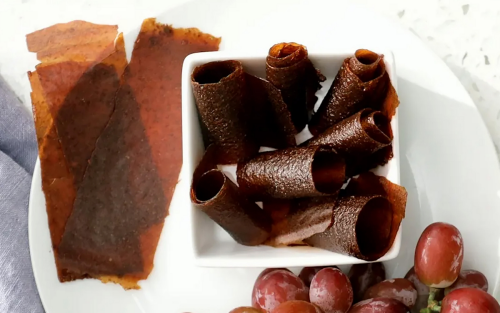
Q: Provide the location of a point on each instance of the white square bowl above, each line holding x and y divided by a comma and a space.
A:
212, 246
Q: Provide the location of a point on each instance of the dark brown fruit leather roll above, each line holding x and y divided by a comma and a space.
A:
208, 162
221, 200
124, 197
289, 69
271, 122
277, 209
358, 135
292, 173
363, 139
370, 184
356, 166
366, 219
361, 228
362, 82
298, 219
220, 92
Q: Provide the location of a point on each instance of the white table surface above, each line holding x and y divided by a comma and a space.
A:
464, 33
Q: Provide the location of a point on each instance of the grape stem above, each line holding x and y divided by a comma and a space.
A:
432, 304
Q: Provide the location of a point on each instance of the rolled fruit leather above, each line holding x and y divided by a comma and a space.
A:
362, 82
356, 166
240, 112
289, 69
361, 227
292, 173
297, 219
271, 121
358, 135
359, 139
216, 195
220, 92
366, 219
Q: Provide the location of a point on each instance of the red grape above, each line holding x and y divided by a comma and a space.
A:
439, 255
331, 290
307, 273
277, 287
469, 300
400, 289
379, 305
422, 289
296, 306
363, 276
246, 309
469, 278
257, 282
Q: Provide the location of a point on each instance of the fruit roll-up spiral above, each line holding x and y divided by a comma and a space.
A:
271, 121
366, 219
220, 92
217, 196
297, 219
292, 173
362, 82
289, 69
359, 139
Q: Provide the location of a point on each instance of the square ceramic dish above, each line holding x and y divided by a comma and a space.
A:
212, 246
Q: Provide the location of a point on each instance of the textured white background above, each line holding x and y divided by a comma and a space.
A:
464, 33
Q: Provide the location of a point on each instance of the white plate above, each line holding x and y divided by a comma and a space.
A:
448, 164
213, 247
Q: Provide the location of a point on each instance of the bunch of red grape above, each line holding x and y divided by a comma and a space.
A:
436, 274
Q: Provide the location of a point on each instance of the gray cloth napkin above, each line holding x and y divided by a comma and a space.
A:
18, 151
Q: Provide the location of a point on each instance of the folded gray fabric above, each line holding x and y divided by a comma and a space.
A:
18, 151
17, 133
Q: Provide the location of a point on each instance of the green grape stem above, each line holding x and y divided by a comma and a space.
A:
433, 305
